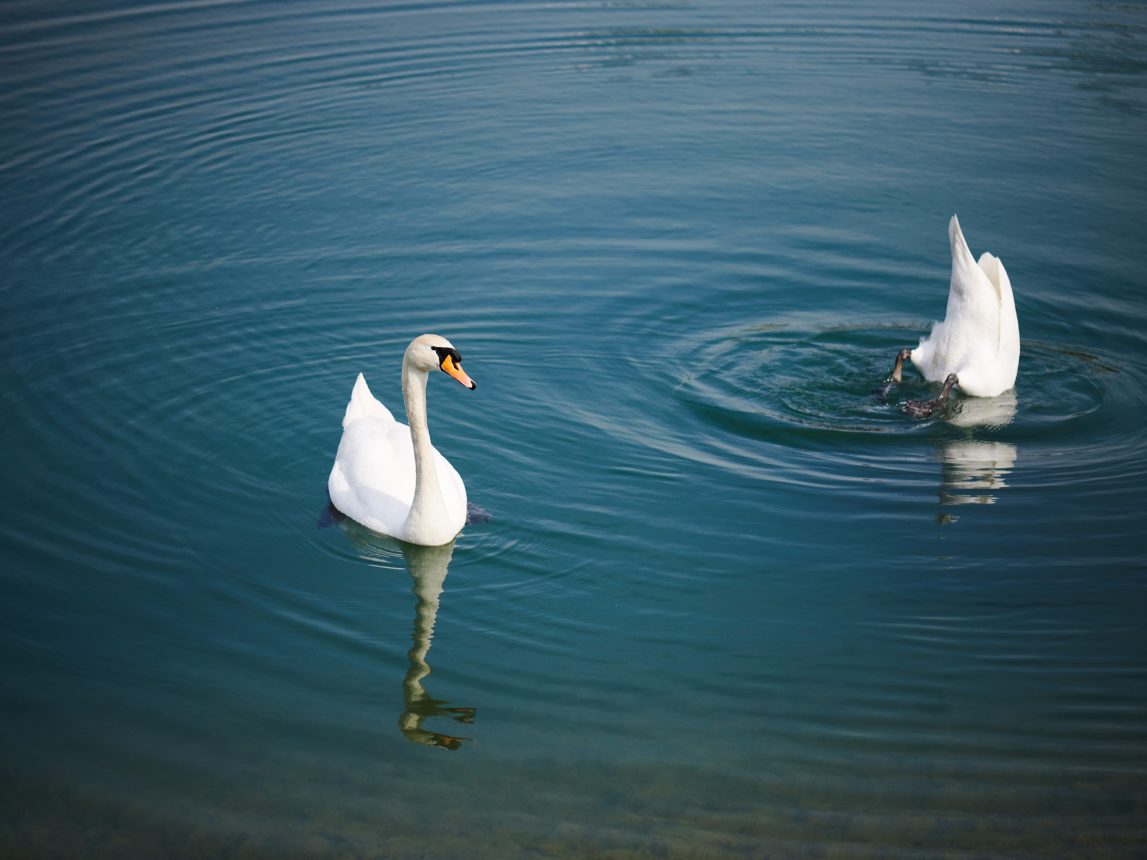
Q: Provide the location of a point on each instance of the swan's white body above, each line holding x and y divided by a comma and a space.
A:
979, 339
386, 475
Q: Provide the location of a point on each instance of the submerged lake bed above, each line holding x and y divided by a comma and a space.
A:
723, 600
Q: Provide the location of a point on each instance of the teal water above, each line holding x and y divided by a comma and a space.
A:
727, 603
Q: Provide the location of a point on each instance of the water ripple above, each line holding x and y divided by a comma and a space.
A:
718, 592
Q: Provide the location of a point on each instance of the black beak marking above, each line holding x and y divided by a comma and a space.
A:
445, 352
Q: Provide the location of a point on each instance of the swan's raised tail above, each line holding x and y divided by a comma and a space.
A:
363, 404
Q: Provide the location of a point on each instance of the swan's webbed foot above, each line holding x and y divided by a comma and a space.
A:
446, 742
330, 516
920, 408
926, 408
476, 515
898, 365
895, 376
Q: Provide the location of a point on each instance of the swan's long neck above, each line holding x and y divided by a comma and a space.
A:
427, 506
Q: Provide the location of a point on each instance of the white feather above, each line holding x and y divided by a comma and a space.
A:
374, 476
979, 338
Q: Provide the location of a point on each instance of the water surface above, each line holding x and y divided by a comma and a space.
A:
727, 602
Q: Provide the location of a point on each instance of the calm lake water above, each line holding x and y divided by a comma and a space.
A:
727, 603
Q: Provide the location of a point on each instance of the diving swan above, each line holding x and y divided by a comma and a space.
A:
979, 339
388, 476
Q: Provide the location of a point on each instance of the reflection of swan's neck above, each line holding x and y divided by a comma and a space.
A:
425, 614
428, 566
427, 506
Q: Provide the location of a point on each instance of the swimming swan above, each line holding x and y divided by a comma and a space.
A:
979, 339
388, 476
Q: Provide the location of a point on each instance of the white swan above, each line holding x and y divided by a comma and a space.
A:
979, 339
388, 476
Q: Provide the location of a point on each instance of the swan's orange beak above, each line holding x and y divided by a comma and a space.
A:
455, 370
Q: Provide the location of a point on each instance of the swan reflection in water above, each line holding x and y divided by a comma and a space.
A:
973, 470
428, 566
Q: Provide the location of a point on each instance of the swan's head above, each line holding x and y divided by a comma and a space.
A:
433, 352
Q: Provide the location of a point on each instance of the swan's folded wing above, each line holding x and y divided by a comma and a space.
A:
453, 489
372, 480
973, 301
1008, 327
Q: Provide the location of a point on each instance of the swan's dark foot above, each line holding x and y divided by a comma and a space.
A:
898, 365
330, 516
446, 742
927, 408
894, 377
476, 515
463, 715
921, 408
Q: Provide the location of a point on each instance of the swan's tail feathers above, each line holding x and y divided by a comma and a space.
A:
363, 404
993, 267
969, 278
1009, 328
961, 254
990, 263
955, 234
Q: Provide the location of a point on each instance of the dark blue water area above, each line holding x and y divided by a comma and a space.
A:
723, 600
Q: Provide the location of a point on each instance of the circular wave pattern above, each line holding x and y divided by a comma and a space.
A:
832, 379
217, 213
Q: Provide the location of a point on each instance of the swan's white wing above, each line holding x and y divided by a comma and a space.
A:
973, 316
1008, 342
372, 480
453, 490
